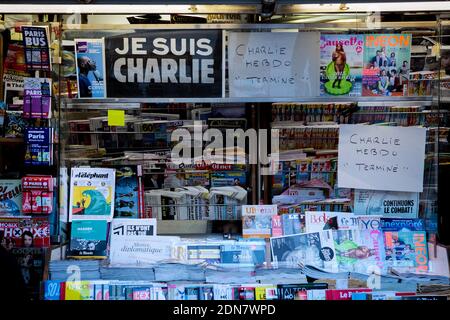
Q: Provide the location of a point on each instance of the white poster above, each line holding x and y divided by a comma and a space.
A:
389, 204
274, 64
381, 158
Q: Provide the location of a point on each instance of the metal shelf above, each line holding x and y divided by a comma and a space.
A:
133, 103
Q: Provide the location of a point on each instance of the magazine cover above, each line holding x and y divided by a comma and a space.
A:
31, 262
388, 224
10, 197
389, 204
88, 238
257, 220
314, 249
359, 251
129, 192
323, 220
386, 64
90, 62
24, 232
37, 98
37, 51
407, 250
341, 62
92, 194
14, 63
138, 250
369, 222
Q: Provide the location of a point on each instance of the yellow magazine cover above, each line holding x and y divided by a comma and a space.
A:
79, 290
92, 194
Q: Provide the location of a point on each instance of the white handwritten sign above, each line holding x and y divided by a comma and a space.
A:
274, 64
381, 158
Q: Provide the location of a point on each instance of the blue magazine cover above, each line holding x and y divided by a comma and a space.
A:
88, 238
128, 191
90, 61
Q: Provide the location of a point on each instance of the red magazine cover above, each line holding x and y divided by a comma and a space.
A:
24, 232
334, 294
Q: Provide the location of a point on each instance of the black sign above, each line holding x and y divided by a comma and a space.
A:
164, 64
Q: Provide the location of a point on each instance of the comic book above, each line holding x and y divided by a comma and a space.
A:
92, 194
341, 62
24, 232
359, 250
10, 197
314, 248
406, 250
88, 239
386, 64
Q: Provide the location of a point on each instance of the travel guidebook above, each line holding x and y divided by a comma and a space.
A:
386, 64
315, 249
359, 251
88, 239
90, 62
92, 194
341, 63
37, 51
37, 98
39, 146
